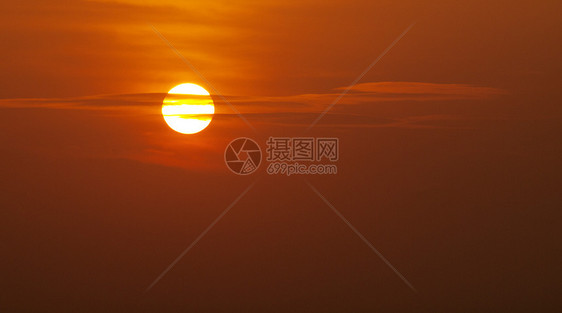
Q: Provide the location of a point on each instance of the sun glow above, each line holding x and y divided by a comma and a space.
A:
188, 108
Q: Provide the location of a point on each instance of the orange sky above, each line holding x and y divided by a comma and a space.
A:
278, 58
449, 163
76, 48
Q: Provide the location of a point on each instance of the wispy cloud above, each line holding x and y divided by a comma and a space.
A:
438, 91
97, 102
366, 106
371, 93
361, 94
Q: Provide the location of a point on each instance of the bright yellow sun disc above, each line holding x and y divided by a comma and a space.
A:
188, 108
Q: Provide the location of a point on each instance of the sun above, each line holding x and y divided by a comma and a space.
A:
188, 108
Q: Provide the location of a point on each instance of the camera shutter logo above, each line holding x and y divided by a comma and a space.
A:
242, 156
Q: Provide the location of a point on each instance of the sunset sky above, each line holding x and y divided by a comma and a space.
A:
450, 159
